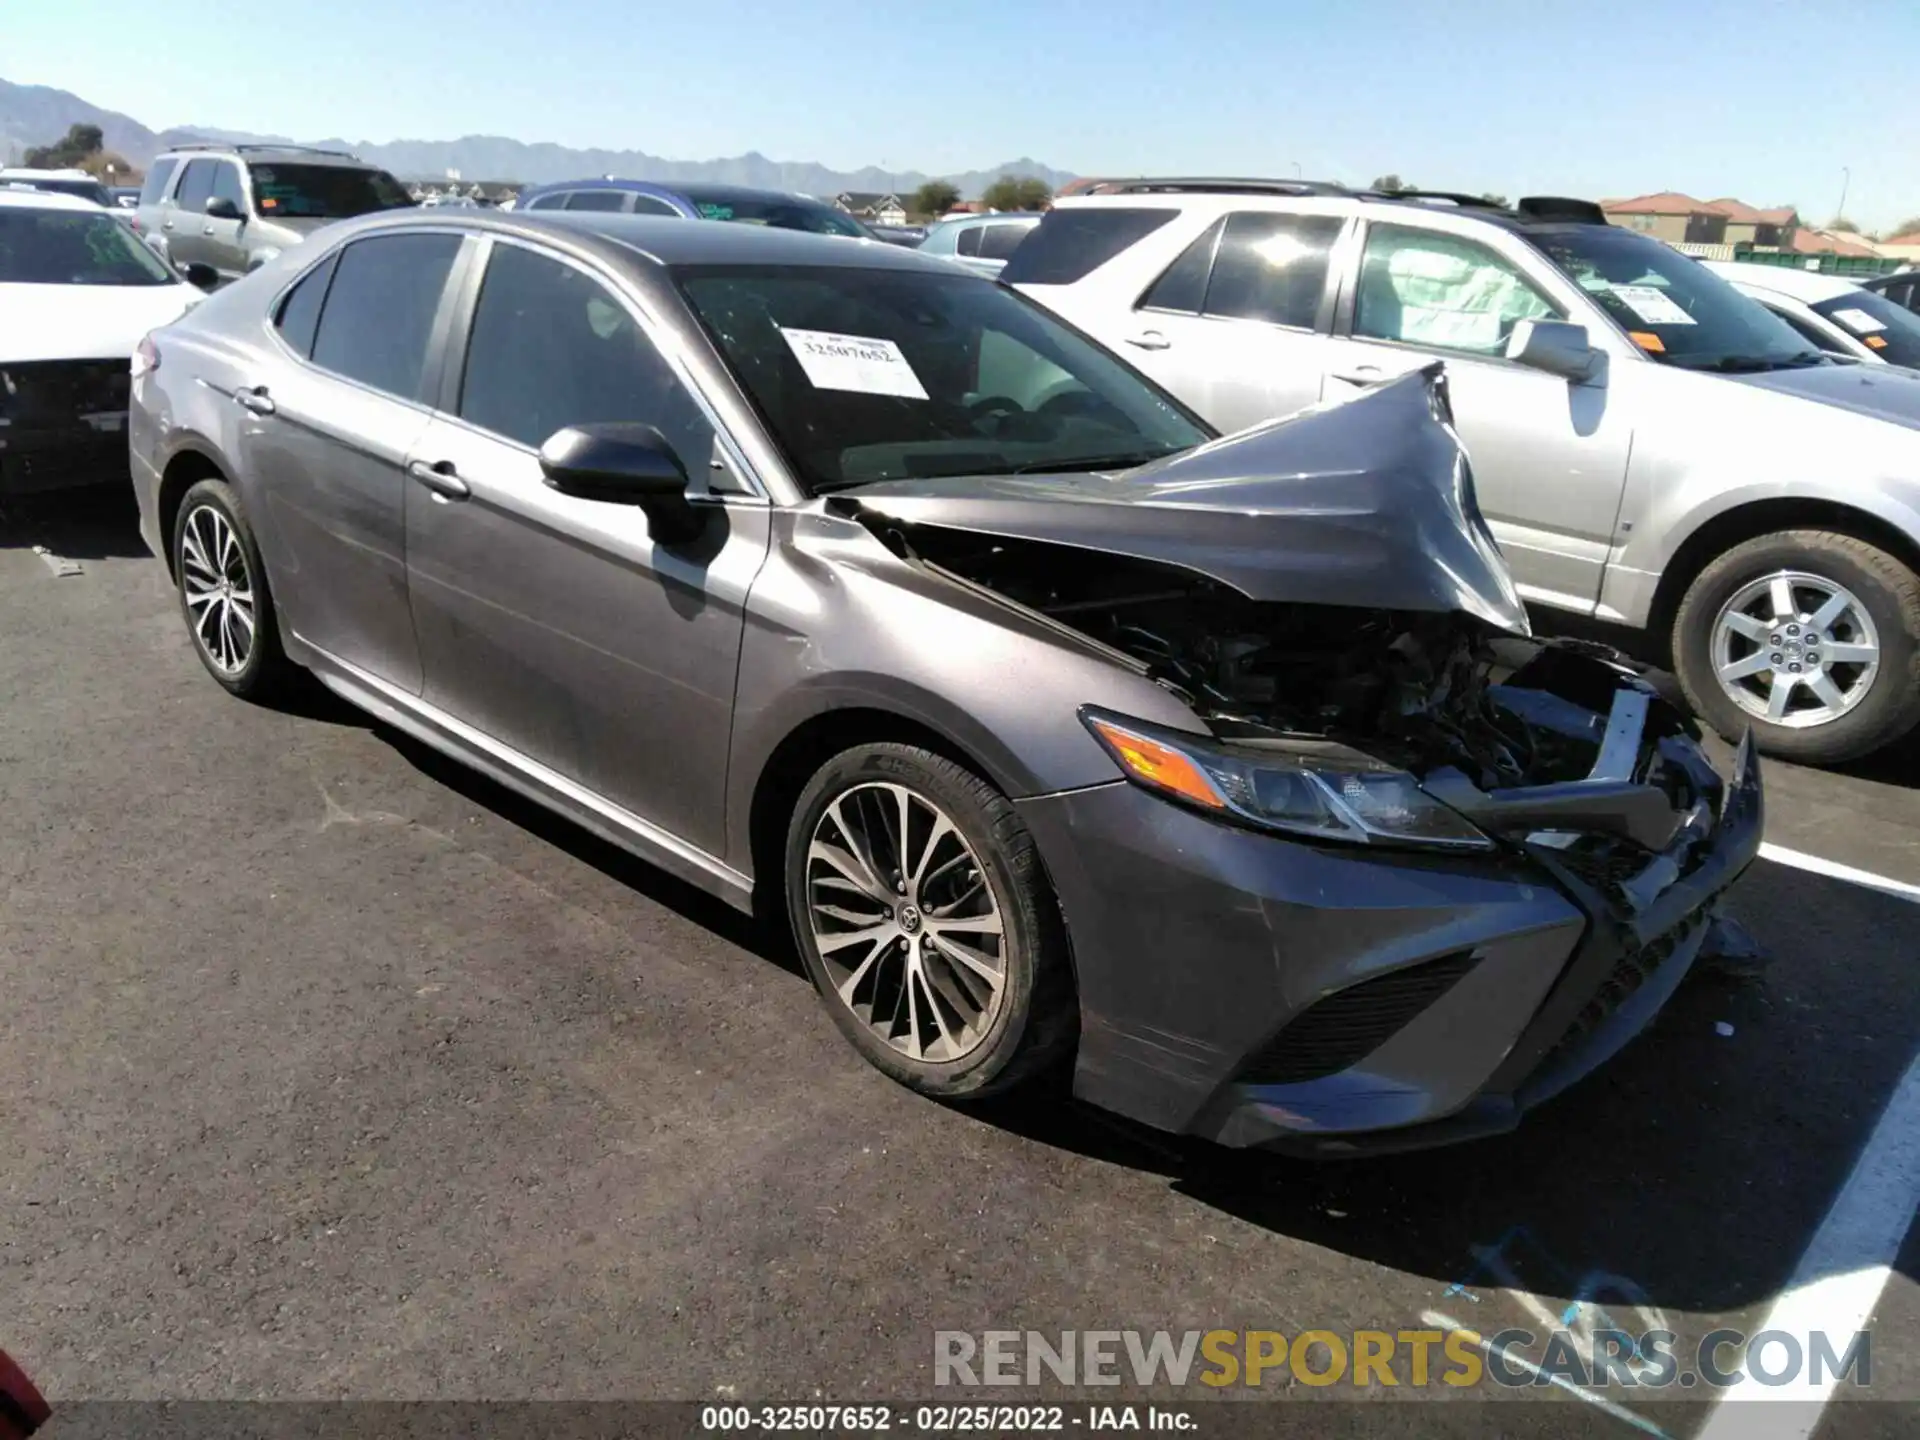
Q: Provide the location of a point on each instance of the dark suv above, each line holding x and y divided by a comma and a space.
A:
235, 207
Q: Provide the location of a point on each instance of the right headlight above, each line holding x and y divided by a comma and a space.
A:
1327, 792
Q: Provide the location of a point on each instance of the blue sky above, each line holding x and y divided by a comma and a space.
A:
1763, 100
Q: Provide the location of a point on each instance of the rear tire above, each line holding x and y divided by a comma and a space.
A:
1842, 615
224, 596
943, 959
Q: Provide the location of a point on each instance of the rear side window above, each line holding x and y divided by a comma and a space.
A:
597, 200
378, 316
1000, 241
547, 202
647, 205
1071, 243
226, 185
299, 314
968, 241
196, 185
1272, 267
156, 182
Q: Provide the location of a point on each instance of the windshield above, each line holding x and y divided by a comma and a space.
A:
1887, 329
782, 212
323, 192
865, 375
64, 247
1671, 305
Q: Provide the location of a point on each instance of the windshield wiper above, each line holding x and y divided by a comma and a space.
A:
1074, 463
1750, 364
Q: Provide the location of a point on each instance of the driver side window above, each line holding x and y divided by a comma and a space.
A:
1437, 291
550, 346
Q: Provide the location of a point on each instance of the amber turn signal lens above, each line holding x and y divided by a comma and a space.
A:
1158, 764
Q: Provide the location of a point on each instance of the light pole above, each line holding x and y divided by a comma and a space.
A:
1846, 178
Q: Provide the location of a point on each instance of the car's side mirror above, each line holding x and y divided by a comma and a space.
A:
624, 464
1555, 346
199, 275
220, 207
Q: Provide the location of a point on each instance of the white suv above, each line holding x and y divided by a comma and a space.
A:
1651, 447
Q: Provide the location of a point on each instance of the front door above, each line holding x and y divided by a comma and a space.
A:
1549, 455
328, 441
222, 239
183, 219
555, 625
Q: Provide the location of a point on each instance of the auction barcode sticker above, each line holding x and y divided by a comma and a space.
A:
854, 362
1858, 321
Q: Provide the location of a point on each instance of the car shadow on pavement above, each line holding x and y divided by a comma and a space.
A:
101, 522
1695, 1169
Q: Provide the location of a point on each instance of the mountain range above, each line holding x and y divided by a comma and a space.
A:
39, 115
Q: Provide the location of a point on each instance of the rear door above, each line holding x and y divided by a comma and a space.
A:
330, 432
559, 626
1549, 455
1236, 325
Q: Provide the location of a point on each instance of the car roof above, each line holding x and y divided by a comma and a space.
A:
27, 199
270, 154
1000, 217
665, 239
1531, 215
717, 193
1784, 280
28, 172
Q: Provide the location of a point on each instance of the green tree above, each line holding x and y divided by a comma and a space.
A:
80, 142
1909, 226
1843, 224
1493, 199
936, 197
1016, 192
1389, 183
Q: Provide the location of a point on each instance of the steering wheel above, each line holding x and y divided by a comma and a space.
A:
990, 405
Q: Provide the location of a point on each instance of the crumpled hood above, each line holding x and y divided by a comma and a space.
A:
1879, 392
1367, 504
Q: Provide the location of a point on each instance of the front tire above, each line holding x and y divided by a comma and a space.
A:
1809, 636
925, 919
224, 596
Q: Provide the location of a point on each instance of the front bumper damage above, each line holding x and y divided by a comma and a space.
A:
1254, 990
63, 424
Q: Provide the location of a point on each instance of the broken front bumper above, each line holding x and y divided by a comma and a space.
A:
1255, 990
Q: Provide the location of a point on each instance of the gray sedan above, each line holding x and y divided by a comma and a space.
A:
859, 590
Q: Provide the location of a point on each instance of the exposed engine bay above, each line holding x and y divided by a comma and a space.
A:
1422, 691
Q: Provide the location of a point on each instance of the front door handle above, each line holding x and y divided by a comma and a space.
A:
441, 478
1361, 375
257, 400
1149, 340
207, 231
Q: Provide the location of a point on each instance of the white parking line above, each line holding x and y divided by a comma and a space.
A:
1780, 855
1838, 1282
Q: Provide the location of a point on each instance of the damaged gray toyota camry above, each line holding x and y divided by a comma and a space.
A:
855, 588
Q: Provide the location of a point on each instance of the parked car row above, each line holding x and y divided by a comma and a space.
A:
863, 591
1651, 446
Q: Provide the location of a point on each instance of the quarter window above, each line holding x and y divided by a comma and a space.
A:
1000, 241
546, 202
299, 313
156, 181
378, 316
1424, 288
1183, 286
1272, 267
968, 241
597, 200
196, 184
551, 347
647, 205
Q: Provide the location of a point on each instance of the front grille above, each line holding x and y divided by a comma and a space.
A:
1636, 965
1333, 1034
52, 394
1605, 864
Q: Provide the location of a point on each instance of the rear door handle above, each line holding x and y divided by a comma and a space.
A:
1361, 375
1149, 340
256, 400
441, 478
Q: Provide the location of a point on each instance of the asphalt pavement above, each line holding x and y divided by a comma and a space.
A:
330, 1070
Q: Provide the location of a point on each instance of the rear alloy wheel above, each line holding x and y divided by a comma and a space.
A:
1811, 638
223, 591
918, 903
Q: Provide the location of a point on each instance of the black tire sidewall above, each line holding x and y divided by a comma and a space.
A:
967, 802
263, 660
1884, 715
